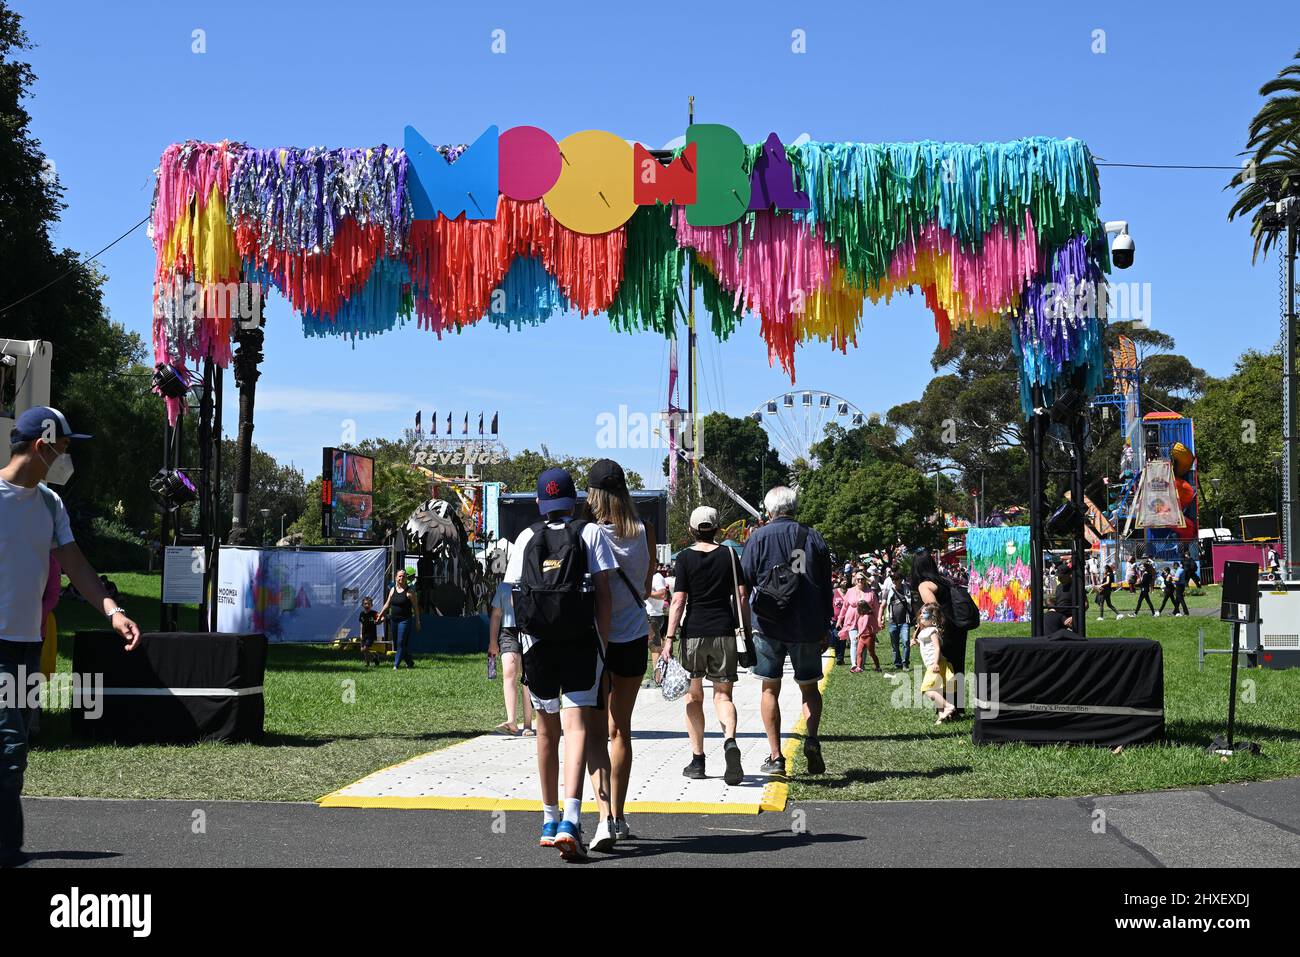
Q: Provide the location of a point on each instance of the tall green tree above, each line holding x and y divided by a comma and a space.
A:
1273, 144
279, 490
881, 505
46, 293
968, 422
1239, 439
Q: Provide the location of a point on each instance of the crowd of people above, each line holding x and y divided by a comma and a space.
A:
1171, 580
584, 614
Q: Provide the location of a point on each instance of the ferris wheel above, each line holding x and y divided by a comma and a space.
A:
795, 421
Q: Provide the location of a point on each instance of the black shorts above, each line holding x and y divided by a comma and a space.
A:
565, 669
628, 659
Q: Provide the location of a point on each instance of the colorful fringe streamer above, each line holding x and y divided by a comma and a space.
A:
988, 232
999, 572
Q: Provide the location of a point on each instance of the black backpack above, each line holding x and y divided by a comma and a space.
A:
900, 609
551, 601
775, 594
962, 610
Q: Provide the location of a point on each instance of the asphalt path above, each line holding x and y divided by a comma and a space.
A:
1254, 825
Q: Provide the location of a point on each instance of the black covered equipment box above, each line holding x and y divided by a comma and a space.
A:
1100, 691
175, 688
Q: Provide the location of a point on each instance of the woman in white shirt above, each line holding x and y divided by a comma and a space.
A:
609, 504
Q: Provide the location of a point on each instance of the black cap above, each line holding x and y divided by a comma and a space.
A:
608, 475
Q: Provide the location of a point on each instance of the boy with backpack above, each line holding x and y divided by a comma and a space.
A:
559, 570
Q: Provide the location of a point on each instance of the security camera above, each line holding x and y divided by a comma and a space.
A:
1121, 250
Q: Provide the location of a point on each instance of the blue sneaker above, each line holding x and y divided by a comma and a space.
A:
568, 838
549, 828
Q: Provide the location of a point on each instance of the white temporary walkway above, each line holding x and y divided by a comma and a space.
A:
494, 772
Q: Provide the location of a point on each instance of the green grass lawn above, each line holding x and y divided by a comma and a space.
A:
317, 741
875, 751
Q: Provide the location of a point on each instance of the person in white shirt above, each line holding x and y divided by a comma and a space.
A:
566, 678
656, 609
34, 524
609, 505
503, 644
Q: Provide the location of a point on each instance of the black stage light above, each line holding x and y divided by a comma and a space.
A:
1067, 406
1065, 522
170, 381
172, 488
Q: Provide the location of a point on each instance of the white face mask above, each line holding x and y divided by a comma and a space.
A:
60, 470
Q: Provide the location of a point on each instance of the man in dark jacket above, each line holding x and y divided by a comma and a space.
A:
799, 632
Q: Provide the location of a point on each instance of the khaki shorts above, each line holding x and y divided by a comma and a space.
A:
713, 658
657, 625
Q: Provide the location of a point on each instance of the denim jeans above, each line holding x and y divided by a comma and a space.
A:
401, 645
14, 722
902, 648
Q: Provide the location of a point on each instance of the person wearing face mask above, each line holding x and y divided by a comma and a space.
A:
34, 525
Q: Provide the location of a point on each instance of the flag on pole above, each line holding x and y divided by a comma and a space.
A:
494, 422
417, 420
480, 423
464, 429
449, 423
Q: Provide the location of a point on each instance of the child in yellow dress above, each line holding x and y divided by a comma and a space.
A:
938, 673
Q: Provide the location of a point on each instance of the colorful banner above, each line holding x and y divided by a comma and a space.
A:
359, 240
999, 572
291, 595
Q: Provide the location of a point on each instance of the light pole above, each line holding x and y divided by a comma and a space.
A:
1218, 504
266, 515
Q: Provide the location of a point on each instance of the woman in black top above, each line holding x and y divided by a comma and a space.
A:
1104, 592
401, 602
930, 585
1146, 579
709, 603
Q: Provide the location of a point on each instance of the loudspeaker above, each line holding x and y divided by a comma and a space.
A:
1240, 592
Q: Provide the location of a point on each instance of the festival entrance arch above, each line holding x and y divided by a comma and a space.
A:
802, 236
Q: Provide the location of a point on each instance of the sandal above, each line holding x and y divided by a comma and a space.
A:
527, 733
507, 729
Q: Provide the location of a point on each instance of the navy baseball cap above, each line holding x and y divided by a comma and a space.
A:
555, 491
32, 425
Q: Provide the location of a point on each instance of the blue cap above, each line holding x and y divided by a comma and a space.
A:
36, 422
555, 491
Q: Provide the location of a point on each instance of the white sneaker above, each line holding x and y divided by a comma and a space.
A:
1101, 617
1119, 616
622, 830
1157, 614
605, 838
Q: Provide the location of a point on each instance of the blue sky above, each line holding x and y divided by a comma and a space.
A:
1176, 84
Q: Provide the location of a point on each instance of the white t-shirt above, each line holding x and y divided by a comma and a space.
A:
928, 638
503, 598
600, 558
627, 616
29, 529
655, 606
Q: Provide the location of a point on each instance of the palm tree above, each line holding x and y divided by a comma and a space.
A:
1274, 169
